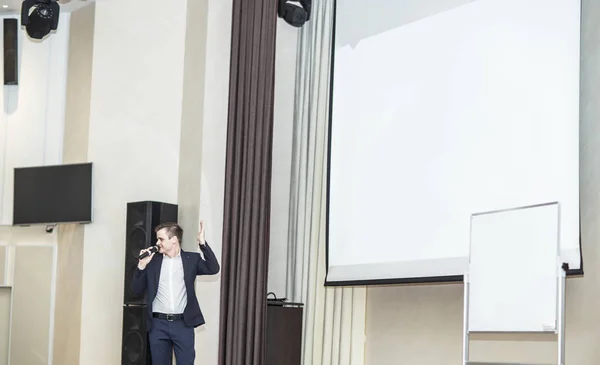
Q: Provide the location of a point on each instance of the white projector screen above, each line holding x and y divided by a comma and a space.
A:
442, 109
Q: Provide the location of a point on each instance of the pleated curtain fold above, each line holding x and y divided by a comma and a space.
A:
334, 318
246, 220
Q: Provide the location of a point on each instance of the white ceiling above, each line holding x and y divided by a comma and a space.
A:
14, 6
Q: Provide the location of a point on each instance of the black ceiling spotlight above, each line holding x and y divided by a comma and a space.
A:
39, 17
295, 13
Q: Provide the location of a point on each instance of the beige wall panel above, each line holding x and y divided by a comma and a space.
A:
32, 302
5, 294
3, 264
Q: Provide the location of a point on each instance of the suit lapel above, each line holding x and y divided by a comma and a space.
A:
159, 259
185, 260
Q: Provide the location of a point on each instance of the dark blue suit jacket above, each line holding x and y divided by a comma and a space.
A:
193, 265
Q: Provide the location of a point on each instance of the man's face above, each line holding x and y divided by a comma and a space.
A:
163, 241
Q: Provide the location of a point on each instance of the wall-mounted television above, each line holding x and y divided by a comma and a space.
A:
52, 194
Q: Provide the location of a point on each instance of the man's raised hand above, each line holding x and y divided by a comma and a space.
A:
200, 238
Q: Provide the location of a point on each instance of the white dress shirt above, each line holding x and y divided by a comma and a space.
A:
171, 297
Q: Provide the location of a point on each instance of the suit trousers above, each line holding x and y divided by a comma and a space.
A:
168, 336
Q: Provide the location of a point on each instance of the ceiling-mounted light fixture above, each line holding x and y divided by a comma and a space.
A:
39, 17
295, 13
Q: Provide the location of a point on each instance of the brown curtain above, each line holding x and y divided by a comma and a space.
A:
248, 183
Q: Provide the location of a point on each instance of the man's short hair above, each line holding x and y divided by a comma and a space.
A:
173, 229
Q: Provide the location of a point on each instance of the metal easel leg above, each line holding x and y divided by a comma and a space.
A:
561, 315
466, 320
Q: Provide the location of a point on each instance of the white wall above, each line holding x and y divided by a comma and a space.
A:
214, 135
31, 133
33, 112
423, 324
42, 122
134, 143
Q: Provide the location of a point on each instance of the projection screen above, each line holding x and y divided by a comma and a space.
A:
441, 109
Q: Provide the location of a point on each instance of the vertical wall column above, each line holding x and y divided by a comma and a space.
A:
135, 144
190, 149
67, 309
214, 137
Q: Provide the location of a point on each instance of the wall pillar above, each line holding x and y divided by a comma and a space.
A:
135, 141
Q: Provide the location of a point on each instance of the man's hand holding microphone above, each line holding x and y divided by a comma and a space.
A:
145, 260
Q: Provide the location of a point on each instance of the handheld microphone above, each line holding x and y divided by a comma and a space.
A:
147, 253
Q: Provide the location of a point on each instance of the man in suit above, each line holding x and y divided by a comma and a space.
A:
168, 280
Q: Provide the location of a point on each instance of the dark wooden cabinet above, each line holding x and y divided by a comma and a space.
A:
284, 333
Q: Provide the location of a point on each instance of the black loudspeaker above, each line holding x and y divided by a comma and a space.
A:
284, 333
135, 349
142, 218
11, 52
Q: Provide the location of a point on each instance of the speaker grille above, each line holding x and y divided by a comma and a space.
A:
142, 218
11, 51
136, 349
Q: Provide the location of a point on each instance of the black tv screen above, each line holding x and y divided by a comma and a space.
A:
53, 194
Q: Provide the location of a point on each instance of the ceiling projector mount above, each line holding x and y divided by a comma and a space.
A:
40, 17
